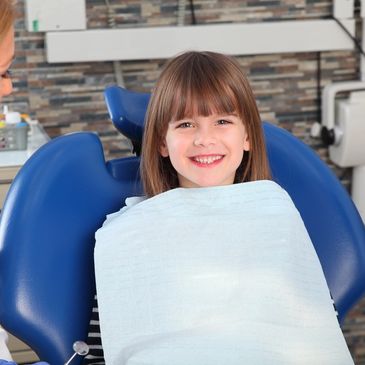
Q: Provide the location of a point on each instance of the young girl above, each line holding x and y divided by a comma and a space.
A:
214, 265
200, 92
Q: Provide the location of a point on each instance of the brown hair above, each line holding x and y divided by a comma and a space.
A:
7, 15
200, 83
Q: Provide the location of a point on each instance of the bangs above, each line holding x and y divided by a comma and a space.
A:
202, 91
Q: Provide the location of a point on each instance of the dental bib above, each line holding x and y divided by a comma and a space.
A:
214, 276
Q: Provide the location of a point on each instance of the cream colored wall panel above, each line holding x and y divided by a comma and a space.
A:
165, 42
20, 352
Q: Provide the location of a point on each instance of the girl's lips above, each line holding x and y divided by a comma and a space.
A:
206, 160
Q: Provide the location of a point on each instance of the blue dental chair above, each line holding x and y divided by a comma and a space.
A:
63, 193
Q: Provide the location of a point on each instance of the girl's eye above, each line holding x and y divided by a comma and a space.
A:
223, 122
185, 125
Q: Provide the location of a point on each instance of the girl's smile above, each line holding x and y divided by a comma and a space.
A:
206, 151
207, 160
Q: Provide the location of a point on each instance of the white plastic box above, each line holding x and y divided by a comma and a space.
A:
14, 137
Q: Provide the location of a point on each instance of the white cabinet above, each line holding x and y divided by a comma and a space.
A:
7, 174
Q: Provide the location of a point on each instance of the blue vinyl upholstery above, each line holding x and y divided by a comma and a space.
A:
56, 203
62, 194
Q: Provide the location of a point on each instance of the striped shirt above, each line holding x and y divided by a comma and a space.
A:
96, 354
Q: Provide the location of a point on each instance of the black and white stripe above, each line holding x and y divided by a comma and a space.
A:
96, 354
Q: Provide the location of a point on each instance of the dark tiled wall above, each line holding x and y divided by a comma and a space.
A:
69, 97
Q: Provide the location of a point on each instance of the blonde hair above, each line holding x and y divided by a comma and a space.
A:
200, 83
7, 14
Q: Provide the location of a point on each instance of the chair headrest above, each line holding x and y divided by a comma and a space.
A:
127, 111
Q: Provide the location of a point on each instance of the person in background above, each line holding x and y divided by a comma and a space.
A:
6, 87
6, 57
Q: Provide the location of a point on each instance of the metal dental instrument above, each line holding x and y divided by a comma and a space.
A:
80, 348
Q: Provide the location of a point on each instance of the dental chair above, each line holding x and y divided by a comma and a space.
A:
61, 197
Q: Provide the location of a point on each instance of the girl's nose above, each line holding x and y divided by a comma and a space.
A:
6, 87
204, 138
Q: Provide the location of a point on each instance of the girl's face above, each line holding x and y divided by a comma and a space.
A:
6, 57
206, 151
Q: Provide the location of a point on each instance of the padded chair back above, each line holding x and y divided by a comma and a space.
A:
56, 203
62, 194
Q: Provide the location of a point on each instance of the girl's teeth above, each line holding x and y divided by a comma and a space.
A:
207, 160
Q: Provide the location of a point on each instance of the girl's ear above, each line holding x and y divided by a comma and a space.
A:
164, 152
246, 144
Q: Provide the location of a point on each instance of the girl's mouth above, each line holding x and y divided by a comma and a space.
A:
207, 160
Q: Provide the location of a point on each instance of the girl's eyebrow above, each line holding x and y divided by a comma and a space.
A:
179, 120
217, 115
228, 115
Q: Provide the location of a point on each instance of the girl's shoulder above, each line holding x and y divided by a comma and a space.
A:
129, 203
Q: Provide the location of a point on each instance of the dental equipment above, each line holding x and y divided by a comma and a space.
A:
343, 130
80, 348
